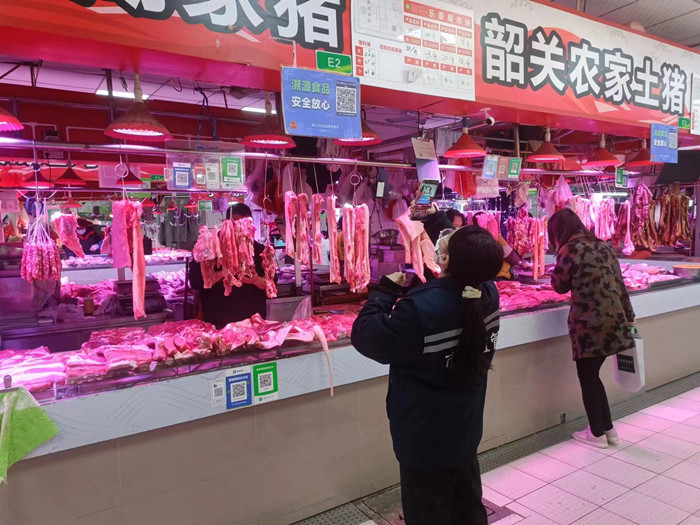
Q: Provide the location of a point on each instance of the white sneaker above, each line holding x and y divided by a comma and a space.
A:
586, 436
613, 436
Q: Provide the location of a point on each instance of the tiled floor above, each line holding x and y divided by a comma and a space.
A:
652, 477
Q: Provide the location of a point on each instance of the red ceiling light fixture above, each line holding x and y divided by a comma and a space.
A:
643, 158
71, 203
268, 133
36, 180
148, 203
70, 178
546, 152
602, 158
369, 136
8, 122
138, 123
465, 147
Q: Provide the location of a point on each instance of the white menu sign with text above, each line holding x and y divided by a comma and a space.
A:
414, 47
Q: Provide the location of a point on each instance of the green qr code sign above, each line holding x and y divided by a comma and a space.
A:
265, 379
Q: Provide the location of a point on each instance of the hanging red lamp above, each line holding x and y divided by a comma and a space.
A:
37, 180
571, 164
602, 158
70, 178
465, 145
131, 180
369, 136
191, 205
643, 158
71, 203
148, 203
172, 206
268, 133
8, 122
138, 123
546, 152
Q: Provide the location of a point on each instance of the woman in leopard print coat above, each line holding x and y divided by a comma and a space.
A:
600, 317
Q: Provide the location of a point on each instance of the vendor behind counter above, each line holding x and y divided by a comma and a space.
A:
88, 237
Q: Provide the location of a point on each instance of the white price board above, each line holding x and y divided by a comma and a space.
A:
425, 48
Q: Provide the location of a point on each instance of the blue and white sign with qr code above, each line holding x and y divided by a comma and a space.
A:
320, 104
238, 391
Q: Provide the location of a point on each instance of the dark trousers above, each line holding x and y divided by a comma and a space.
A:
451, 497
595, 400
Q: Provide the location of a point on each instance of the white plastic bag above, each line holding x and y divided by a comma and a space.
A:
629, 366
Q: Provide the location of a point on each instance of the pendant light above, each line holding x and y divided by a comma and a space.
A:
369, 136
131, 180
8, 122
148, 203
268, 133
602, 158
37, 180
191, 205
546, 152
172, 206
70, 178
71, 203
138, 123
643, 158
465, 145
571, 164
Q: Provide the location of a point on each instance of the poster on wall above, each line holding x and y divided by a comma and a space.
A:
425, 48
664, 143
320, 104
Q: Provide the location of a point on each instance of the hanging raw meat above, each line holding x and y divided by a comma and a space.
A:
138, 269
582, 208
205, 253
66, 226
335, 276
518, 232
604, 214
120, 238
673, 223
348, 244
244, 231
106, 248
290, 217
302, 237
317, 204
644, 232
362, 267
229, 257
268, 257
419, 249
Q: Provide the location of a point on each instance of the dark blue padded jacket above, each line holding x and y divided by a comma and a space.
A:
436, 416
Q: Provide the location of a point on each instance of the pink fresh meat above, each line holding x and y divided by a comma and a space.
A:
127, 357
229, 257
290, 217
138, 270
233, 337
244, 230
303, 252
9, 357
335, 276
184, 339
106, 248
120, 238
349, 244
204, 249
81, 366
411, 232
317, 204
273, 338
173, 327
115, 336
270, 269
300, 333
428, 250
66, 226
362, 267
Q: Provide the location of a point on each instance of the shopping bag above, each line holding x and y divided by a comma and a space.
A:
629, 365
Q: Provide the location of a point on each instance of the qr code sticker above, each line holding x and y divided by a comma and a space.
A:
239, 392
182, 178
346, 99
265, 382
219, 391
232, 170
673, 140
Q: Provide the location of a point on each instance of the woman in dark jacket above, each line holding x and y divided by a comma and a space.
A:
439, 339
600, 317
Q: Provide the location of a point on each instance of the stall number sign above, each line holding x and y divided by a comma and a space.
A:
245, 386
334, 62
664, 143
320, 104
